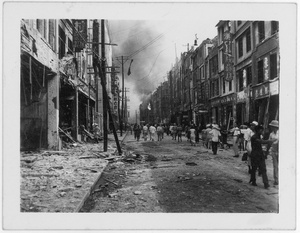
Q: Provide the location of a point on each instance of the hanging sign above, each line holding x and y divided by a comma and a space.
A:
79, 34
228, 58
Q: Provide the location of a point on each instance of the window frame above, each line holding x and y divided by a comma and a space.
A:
240, 47
261, 31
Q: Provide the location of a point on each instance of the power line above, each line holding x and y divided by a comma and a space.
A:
152, 66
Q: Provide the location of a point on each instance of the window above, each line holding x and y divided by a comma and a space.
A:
274, 27
249, 75
248, 40
261, 31
41, 25
241, 80
217, 88
240, 46
224, 86
221, 35
62, 43
52, 31
70, 46
273, 66
239, 23
222, 57
230, 85
260, 71
214, 65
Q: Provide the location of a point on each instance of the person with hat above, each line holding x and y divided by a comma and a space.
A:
96, 132
207, 136
215, 137
192, 132
235, 131
248, 134
258, 157
273, 146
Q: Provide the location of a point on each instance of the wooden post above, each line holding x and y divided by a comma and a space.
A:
103, 79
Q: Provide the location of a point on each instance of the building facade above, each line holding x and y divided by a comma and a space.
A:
60, 92
233, 78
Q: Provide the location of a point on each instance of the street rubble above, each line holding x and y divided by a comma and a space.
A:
60, 181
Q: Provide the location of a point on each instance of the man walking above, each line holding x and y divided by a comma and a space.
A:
215, 136
274, 137
258, 157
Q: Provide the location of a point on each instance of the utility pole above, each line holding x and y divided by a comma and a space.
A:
106, 105
124, 59
103, 77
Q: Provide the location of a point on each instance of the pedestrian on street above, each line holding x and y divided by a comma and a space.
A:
159, 132
258, 157
135, 130
179, 133
188, 132
215, 137
197, 131
170, 130
248, 134
174, 131
274, 137
145, 132
207, 136
224, 133
192, 135
235, 131
138, 132
241, 138
152, 131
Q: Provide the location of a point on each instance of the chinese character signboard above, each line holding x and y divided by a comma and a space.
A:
79, 34
228, 58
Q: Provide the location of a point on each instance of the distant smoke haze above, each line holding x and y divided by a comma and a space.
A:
150, 66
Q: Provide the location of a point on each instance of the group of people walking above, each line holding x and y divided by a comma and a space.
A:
247, 137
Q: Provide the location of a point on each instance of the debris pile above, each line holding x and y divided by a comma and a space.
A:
56, 181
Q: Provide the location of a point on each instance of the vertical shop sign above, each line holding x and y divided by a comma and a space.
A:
228, 58
266, 68
79, 34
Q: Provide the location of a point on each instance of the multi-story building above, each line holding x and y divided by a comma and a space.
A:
59, 88
232, 78
187, 85
265, 60
214, 82
200, 83
226, 102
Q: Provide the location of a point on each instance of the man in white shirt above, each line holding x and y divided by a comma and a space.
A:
152, 130
215, 134
274, 137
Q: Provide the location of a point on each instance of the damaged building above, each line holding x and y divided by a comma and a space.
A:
61, 97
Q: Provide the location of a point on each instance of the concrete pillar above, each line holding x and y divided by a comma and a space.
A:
75, 115
53, 113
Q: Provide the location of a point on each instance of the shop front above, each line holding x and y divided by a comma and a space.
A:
266, 102
242, 106
227, 113
215, 105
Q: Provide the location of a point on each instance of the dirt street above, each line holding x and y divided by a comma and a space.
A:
170, 176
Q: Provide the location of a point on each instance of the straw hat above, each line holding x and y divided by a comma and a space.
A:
274, 123
254, 123
215, 126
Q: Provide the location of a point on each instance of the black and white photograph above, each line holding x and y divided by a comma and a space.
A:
149, 116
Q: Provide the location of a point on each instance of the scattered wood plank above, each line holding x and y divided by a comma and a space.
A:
38, 175
88, 157
111, 182
65, 133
